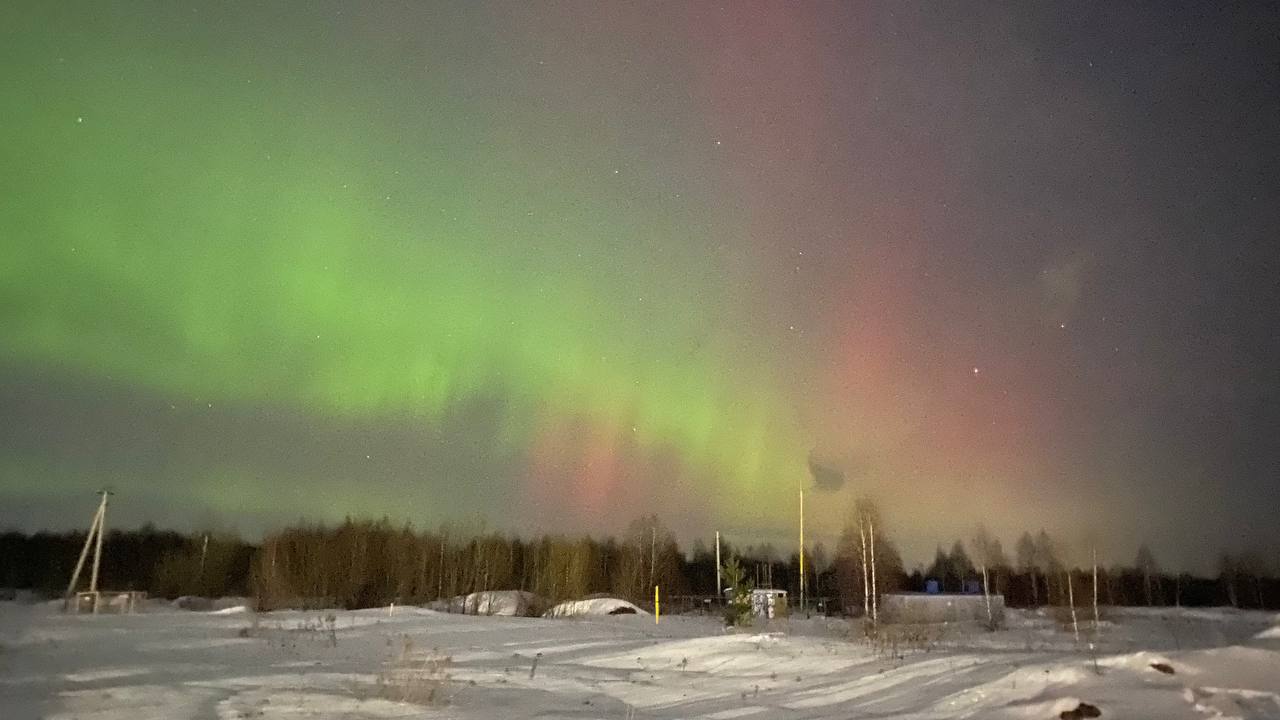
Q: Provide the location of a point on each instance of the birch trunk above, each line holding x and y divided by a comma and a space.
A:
986, 594
1071, 598
866, 582
875, 601
1095, 595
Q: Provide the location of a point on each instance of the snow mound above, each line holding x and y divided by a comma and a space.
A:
1271, 633
593, 606
1044, 708
196, 603
233, 610
508, 603
232, 601
1137, 662
192, 602
1237, 666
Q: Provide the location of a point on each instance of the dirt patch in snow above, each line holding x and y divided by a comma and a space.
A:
1083, 710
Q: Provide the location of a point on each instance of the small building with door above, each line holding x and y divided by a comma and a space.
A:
768, 603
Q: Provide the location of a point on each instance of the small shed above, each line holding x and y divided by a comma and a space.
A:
768, 603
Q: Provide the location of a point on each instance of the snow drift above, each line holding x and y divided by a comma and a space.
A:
508, 603
593, 607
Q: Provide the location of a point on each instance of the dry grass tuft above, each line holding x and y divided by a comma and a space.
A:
417, 679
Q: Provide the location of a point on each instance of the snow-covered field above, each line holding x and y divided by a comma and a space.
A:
176, 664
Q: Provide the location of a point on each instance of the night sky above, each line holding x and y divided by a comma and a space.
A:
559, 265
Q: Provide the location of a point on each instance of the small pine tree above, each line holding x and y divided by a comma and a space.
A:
737, 612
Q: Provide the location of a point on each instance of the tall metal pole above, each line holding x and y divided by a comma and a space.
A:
802, 550
653, 550
719, 586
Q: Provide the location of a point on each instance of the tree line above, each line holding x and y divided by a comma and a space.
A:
367, 563
162, 562
372, 563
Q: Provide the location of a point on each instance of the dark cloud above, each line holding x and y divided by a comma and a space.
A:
825, 477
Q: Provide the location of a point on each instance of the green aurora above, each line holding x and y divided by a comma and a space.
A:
280, 232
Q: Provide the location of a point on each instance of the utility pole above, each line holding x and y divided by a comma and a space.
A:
97, 550
653, 549
94, 538
801, 549
719, 587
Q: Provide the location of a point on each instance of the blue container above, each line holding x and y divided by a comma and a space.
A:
931, 587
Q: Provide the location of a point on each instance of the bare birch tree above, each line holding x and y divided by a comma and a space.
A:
1071, 598
1095, 594
989, 554
867, 514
